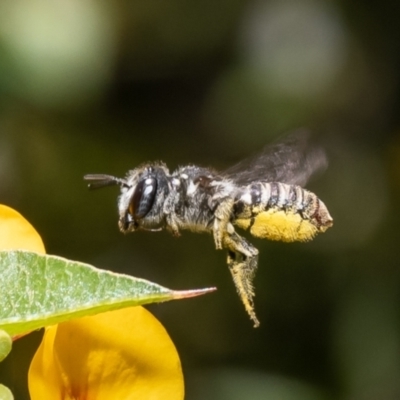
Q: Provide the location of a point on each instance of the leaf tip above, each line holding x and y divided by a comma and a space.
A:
185, 294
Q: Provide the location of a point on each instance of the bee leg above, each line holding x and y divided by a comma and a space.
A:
172, 226
222, 216
242, 262
170, 216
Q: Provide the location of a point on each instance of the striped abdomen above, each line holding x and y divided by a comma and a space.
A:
278, 211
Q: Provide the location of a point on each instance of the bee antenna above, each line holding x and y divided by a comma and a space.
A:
97, 181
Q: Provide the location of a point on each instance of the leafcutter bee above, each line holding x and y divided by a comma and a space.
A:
262, 195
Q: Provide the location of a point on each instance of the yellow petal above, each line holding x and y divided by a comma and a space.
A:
124, 354
44, 376
17, 233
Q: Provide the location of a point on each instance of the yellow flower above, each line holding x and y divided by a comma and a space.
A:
124, 354
117, 355
16, 233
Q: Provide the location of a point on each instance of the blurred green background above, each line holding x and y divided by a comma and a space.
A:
100, 87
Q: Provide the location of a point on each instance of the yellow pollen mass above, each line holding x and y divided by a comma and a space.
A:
280, 225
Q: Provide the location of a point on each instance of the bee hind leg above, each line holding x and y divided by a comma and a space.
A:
242, 263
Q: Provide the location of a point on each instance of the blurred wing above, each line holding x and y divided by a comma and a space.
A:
292, 160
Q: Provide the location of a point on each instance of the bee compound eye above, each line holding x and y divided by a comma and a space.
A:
143, 198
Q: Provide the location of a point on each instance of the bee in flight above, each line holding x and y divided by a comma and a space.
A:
262, 195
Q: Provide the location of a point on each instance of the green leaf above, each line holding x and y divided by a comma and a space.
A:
5, 393
5, 345
38, 290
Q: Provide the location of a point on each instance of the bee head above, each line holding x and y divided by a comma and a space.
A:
142, 194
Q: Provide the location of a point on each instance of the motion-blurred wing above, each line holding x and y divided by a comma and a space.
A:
292, 160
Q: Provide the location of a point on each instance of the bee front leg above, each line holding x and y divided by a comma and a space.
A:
170, 215
242, 262
172, 226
